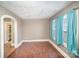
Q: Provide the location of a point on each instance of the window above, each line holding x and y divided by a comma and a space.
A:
54, 30
65, 30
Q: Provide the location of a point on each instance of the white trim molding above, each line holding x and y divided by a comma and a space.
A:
2, 32
36, 40
61, 51
42, 40
19, 44
39, 40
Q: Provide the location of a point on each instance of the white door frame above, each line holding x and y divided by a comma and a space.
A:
2, 33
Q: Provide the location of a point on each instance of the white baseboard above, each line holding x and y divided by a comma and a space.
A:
61, 51
19, 44
40, 40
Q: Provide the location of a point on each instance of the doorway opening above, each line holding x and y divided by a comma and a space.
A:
8, 35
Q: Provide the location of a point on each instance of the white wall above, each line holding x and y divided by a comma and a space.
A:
66, 9
36, 29
4, 11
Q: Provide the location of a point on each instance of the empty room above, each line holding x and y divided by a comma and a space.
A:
39, 29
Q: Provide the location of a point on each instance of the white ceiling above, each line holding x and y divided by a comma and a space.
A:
34, 9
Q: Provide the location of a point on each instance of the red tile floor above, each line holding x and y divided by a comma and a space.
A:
36, 50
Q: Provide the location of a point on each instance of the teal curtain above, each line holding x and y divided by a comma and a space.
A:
59, 30
72, 32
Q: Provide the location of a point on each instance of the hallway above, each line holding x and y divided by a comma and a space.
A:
36, 50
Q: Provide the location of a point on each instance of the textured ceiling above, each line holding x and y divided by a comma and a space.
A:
34, 9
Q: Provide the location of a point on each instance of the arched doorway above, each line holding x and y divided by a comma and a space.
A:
8, 32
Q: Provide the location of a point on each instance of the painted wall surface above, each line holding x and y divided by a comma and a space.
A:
4, 11
36, 29
66, 9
